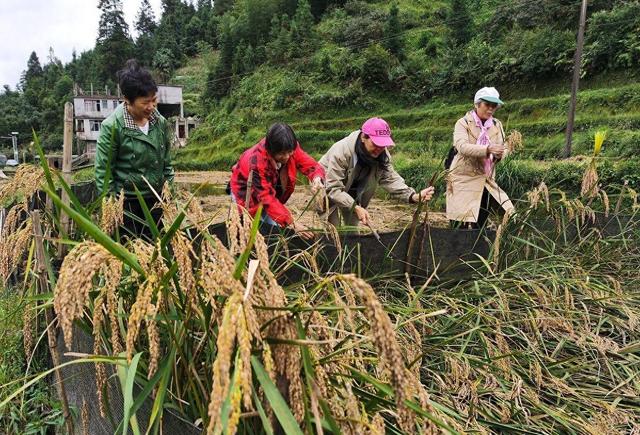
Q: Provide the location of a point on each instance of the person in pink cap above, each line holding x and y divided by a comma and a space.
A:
355, 166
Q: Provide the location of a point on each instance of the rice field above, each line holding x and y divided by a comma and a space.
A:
543, 337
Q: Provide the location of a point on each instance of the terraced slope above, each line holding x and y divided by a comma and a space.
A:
423, 134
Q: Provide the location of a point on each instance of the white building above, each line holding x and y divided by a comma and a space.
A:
92, 107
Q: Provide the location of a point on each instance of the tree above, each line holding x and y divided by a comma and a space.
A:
318, 7
145, 27
146, 20
220, 7
302, 29
113, 44
460, 23
393, 39
163, 63
33, 70
219, 75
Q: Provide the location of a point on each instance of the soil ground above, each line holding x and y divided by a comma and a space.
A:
210, 186
386, 214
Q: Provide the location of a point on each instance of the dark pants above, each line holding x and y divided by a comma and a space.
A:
135, 223
488, 205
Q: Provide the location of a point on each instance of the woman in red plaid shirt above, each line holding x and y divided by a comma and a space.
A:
274, 162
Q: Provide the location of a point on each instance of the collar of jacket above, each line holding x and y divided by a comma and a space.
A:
135, 132
471, 123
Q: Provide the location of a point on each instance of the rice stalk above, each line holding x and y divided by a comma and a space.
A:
142, 307
85, 418
183, 252
288, 363
153, 336
384, 338
112, 213
222, 364
216, 271
13, 246
113, 273
499, 234
26, 181
514, 141
75, 281
101, 371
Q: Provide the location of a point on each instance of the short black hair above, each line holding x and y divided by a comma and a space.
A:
280, 138
135, 81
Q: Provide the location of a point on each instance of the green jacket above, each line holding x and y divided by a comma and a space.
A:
133, 155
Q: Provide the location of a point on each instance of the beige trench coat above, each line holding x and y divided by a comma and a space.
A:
466, 179
339, 164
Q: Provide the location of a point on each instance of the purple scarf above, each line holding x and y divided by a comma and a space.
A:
483, 139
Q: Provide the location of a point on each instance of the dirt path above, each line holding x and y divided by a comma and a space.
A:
386, 214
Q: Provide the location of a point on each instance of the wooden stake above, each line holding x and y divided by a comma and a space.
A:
67, 155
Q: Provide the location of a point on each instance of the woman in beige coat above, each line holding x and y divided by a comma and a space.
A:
355, 166
478, 138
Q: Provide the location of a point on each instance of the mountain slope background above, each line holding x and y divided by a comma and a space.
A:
325, 66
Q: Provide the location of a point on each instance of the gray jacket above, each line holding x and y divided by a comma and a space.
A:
339, 163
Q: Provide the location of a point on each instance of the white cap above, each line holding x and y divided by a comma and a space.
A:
490, 95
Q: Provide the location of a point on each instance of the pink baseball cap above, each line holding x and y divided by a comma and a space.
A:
379, 132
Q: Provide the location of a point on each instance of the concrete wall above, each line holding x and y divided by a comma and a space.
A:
86, 113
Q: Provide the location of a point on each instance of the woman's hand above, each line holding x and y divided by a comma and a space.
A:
317, 185
424, 195
363, 215
302, 231
497, 150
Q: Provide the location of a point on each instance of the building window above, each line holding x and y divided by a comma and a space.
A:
104, 105
80, 125
115, 103
95, 125
181, 131
92, 105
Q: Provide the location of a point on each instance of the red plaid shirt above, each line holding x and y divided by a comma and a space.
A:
265, 179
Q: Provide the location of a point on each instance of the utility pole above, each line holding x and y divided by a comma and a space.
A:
577, 63
14, 142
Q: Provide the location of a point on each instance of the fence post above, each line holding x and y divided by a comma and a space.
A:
67, 155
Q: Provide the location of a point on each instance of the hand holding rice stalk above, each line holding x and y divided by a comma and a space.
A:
590, 179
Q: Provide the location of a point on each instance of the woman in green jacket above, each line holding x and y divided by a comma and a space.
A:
134, 143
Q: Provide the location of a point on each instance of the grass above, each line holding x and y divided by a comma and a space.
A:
424, 133
37, 410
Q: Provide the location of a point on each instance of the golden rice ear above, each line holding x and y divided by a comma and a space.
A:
589, 187
25, 183
384, 337
13, 245
75, 281
112, 213
222, 365
514, 141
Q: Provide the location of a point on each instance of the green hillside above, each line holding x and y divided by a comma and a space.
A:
423, 135
417, 64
